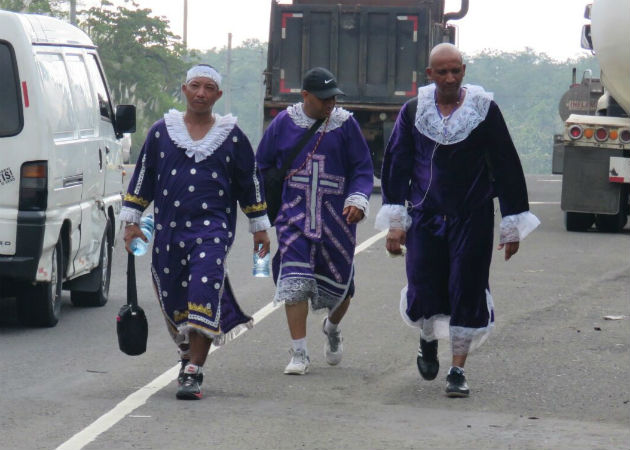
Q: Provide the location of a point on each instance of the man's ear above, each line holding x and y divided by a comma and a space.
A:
463, 69
429, 72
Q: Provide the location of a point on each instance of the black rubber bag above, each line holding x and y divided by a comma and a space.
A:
131, 323
273, 180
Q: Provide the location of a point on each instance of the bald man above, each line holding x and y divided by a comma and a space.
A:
449, 155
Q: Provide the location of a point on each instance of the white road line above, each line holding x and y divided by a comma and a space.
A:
544, 203
140, 397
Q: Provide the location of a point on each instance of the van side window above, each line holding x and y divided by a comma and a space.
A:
84, 104
11, 119
56, 85
98, 82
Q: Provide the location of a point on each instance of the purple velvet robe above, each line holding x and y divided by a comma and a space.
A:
195, 217
316, 245
449, 243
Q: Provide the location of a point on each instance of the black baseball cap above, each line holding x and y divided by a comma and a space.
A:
321, 83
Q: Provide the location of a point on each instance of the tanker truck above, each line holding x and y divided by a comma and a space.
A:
596, 146
378, 50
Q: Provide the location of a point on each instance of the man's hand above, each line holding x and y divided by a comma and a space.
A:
510, 249
353, 214
133, 231
395, 238
261, 237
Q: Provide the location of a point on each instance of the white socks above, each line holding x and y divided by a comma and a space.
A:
330, 327
299, 344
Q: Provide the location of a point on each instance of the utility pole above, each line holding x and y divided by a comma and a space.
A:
73, 12
228, 77
186, 24
261, 93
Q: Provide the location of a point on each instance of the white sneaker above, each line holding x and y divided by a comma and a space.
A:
299, 363
333, 348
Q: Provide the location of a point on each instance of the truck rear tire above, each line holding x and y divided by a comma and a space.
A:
40, 304
613, 223
99, 297
574, 221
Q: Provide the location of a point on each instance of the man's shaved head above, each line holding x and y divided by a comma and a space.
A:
445, 49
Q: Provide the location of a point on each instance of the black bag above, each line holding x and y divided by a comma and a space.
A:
131, 323
273, 178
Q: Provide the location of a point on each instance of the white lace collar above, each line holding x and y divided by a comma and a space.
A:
458, 126
205, 146
337, 117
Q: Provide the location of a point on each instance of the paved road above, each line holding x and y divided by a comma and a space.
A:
553, 376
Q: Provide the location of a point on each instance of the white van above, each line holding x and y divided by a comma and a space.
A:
60, 167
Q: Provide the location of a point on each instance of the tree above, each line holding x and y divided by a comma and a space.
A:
144, 61
528, 87
49, 7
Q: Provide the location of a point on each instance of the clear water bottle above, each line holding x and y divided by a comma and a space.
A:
261, 265
138, 246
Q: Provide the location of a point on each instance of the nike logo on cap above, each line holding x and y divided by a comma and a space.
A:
328, 81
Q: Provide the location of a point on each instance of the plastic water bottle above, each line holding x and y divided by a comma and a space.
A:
261, 265
138, 246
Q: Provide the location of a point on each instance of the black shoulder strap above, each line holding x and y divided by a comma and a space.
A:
132, 295
300, 145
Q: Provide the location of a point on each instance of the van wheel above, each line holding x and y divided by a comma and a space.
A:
100, 297
611, 223
40, 304
578, 221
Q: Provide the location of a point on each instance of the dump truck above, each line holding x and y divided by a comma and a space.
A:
596, 146
378, 50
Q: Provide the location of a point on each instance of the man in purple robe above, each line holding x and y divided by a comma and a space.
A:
195, 166
449, 155
325, 194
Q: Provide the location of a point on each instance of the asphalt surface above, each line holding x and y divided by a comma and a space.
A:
554, 375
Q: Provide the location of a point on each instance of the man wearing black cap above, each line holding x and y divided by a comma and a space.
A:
326, 192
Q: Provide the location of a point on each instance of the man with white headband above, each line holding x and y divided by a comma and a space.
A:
195, 166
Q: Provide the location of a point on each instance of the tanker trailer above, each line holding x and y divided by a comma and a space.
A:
596, 162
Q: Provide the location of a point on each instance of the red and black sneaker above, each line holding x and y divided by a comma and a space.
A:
190, 387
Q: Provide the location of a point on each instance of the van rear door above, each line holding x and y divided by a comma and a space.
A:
11, 124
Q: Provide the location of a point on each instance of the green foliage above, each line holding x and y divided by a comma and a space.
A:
144, 61
48, 7
528, 86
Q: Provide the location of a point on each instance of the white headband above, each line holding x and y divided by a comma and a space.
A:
206, 72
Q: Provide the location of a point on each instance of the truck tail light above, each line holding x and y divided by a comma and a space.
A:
624, 136
34, 186
613, 135
575, 132
588, 133
601, 134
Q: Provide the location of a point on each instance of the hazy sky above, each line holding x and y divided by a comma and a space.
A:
549, 26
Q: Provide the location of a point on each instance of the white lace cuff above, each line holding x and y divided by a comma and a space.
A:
360, 201
516, 227
128, 214
392, 216
259, 224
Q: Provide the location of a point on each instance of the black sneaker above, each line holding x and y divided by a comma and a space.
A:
190, 389
428, 363
456, 385
180, 377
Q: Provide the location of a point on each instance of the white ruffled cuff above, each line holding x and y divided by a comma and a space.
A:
360, 201
516, 227
259, 224
128, 214
392, 216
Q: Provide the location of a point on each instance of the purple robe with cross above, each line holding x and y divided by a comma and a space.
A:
316, 246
